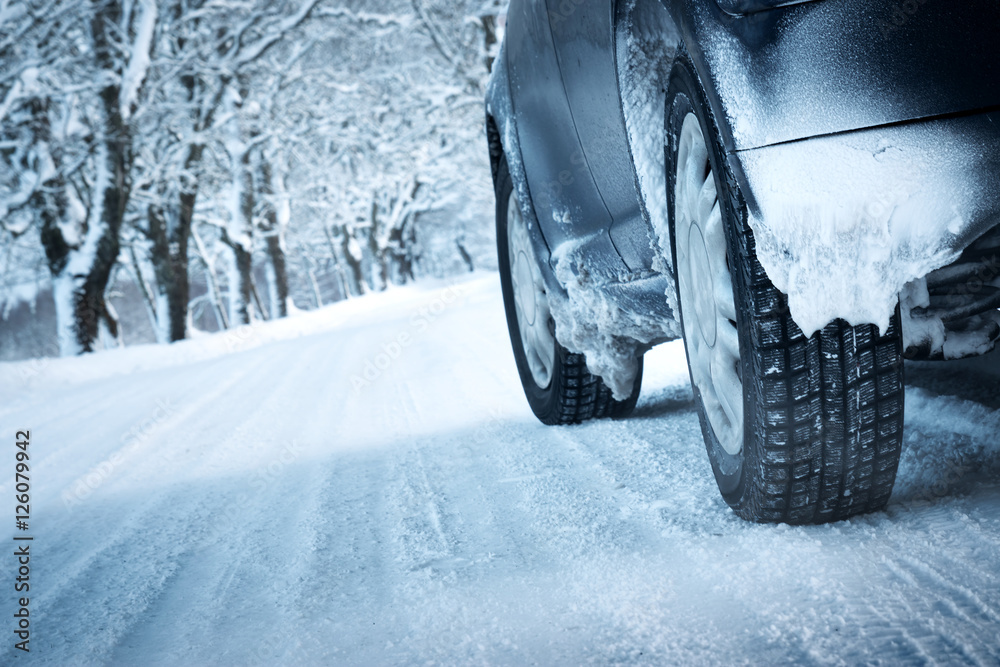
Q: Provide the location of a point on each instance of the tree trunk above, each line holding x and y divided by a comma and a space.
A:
53, 206
80, 274
215, 293
111, 188
239, 238
275, 234
489, 22
238, 234
352, 255
378, 272
179, 290
466, 257
91, 267
279, 276
170, 232
401, 245
256, 299
317, 295
240, 287
147, 294
350, 278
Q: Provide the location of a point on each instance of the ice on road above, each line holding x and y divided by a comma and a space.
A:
365, 484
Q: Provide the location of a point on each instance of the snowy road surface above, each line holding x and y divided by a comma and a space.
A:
237, 499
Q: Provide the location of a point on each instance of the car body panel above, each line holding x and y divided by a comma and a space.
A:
584, 36
834, 66
504, 137
567, 202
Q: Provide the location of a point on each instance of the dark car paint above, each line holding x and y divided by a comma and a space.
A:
554, 158
842, 65
560, 73
590, 78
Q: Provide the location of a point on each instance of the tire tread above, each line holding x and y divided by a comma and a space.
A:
585, 396
832, 408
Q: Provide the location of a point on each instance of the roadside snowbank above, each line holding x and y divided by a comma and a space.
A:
18, 377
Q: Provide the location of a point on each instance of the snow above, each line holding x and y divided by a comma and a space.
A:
591, 322
643, 78
234, 500
63, 291
10, 12
138, 62
15, 294
161, 324
919, 331
846, 221
13, 93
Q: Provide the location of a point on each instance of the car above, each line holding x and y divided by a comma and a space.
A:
807, 192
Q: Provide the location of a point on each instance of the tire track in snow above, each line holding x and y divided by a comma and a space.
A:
240, 557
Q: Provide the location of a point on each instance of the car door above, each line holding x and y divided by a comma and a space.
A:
567, 201
583, 35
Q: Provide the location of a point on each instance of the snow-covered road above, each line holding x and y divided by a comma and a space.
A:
257, 498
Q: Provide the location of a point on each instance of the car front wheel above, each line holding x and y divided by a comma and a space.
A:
798, 430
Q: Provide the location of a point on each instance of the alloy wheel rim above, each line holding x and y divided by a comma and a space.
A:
531, 301
706, 289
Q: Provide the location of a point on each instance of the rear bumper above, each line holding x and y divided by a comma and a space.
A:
843, 222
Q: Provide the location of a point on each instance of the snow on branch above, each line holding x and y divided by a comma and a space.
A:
382, 20
138, 63
255, 51
436, 36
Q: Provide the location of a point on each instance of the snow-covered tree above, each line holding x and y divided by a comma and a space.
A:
79, 67
324, 144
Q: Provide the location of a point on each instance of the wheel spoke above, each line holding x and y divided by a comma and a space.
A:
530, 299
705, 283
542, 340
715, 240
727, 384
544, 337
724, 302
707, 201
729, 339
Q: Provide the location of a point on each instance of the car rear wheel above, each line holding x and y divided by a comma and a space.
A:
798, 430
556, 382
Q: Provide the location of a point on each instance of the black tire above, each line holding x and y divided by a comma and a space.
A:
823, 426
574, 394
